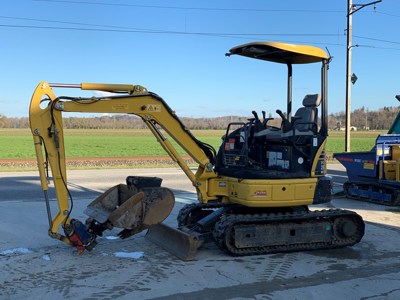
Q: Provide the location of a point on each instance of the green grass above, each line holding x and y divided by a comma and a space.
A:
15, 144
359, 141
336, 144
18, 143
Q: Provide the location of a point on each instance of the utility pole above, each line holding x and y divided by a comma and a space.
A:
351, 9
348, 72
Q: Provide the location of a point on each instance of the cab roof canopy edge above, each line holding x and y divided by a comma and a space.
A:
290, 54
280, 52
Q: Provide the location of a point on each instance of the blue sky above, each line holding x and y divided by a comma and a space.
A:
177, 50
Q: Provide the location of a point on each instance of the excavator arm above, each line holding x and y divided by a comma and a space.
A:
46, 123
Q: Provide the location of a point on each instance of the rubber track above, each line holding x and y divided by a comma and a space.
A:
224, 228
391, 190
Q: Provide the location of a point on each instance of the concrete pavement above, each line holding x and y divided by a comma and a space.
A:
37, 267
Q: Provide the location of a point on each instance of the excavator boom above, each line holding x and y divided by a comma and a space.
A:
135, 206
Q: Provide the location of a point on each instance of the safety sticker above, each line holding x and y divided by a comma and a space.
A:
153, 108
260, 193
120, 106
369, 166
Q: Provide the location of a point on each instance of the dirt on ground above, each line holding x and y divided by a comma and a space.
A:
108, 162
97, 162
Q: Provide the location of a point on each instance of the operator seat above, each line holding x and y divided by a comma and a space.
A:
304, 122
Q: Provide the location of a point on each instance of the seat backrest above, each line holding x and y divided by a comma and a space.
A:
307, 115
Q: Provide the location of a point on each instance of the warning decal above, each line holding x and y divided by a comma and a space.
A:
120, 106
153, 108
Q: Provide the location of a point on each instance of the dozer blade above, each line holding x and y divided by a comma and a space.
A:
179, 243
131, 209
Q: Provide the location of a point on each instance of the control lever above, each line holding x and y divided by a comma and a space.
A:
257, 124
286, 126
280, 113
255, 116
265, 119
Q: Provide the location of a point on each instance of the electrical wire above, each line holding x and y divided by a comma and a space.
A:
250, 36
111, 28
193, 8
387, 14
70, 23
151, 31
143, 30
377, 40
123, 29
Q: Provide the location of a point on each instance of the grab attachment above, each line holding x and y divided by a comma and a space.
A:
136, 206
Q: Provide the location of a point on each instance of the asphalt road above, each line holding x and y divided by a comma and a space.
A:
85, 184
37, 267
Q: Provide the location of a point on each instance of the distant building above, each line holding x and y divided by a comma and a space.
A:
340, 127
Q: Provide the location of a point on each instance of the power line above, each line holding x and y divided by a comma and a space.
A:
133, 29
249, 36
70, 23
150, 31
192, 8
387, 14
162, 31
376, 40
121, 29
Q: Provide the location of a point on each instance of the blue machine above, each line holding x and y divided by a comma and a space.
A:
374, 176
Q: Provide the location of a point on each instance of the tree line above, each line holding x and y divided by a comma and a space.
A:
123, 122
362, 119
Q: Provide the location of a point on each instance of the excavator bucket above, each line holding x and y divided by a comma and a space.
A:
143, 204
179, 243
131, 207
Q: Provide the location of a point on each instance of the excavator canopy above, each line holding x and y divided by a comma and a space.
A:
280, 52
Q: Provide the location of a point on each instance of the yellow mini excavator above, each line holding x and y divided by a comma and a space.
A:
253, 194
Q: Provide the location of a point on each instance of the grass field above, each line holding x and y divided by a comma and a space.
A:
18, 143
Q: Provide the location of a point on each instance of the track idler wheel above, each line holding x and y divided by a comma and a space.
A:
345, 228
